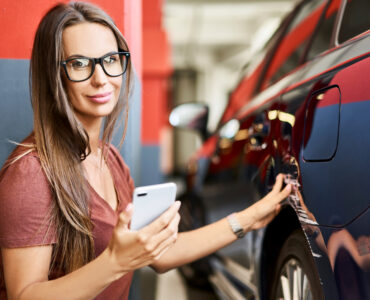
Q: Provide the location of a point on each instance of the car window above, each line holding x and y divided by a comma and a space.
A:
355, 20
291, 49
323, 35
248, 83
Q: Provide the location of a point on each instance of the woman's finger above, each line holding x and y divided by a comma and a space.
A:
286, 191
278, 183
163, 251
162, 221
166, 233
125, 217
277, 210
166, 244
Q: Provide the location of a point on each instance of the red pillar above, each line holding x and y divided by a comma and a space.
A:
23, 17
133, 32
157, 69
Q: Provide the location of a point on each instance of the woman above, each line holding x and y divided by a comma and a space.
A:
65, 194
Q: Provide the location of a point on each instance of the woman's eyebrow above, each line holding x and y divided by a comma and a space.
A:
84, 56
76, 56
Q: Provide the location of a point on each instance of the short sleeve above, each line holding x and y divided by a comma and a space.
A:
25, 205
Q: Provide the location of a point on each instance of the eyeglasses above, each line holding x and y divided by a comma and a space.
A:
81, 68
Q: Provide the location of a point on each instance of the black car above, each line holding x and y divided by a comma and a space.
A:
302, 108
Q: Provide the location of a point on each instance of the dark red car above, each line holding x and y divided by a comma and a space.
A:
302, 109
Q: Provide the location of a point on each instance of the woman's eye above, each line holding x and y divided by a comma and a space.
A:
79, 63
110, 59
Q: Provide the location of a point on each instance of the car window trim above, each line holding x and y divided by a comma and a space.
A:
339, 25
314, 33
289, 20
271, 53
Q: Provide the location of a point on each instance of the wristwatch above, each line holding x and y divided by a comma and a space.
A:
235, 225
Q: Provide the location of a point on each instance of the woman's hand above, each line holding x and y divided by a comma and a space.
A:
268, 207
131, 250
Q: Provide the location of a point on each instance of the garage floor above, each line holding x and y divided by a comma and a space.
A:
168, 286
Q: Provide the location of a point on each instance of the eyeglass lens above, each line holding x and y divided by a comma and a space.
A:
81, 68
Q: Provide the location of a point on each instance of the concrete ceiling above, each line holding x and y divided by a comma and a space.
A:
208, 32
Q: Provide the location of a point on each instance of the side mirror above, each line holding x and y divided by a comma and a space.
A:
192, 116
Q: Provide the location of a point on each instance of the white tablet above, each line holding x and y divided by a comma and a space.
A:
150, 202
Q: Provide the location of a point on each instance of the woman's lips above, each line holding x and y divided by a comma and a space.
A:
101, 98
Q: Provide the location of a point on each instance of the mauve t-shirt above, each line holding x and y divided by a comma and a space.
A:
25, 204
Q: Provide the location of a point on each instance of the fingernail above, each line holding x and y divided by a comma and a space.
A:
177, 204
129, 207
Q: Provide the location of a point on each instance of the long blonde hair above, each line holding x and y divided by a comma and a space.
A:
60, 139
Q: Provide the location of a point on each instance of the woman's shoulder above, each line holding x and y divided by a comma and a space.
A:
22, 171
24, 164
23, 160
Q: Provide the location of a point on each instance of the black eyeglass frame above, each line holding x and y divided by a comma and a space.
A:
98, 60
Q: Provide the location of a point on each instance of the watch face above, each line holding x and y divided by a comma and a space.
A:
239, 233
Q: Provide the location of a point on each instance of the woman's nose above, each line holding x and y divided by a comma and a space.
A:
99, 77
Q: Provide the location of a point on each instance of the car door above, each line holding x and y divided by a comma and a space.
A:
329, 146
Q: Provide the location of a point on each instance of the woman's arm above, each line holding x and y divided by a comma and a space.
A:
198, 243
26, 275
26, 269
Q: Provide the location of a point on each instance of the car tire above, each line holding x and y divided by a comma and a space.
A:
295, 271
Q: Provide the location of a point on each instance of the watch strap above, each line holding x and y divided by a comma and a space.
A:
235, 225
